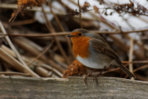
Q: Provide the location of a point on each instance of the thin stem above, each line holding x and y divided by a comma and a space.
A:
80, 14
51, 29
67, 33
27, 69
131, 50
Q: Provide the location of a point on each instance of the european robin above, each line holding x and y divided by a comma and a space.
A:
93, 51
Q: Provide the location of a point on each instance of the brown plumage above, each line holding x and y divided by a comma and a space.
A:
93, 51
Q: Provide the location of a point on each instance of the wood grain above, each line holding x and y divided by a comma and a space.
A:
72, 88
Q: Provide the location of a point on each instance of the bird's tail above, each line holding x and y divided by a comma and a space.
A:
127, 71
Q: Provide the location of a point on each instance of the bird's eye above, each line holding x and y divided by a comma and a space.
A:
80, 34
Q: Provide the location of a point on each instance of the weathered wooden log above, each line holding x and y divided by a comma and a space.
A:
72, 88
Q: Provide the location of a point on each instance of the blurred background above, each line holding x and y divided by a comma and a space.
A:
124, 24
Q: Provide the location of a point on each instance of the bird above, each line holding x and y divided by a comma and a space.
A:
93, 51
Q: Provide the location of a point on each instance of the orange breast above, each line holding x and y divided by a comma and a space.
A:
80, 46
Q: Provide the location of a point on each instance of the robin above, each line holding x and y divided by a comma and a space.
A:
93, 51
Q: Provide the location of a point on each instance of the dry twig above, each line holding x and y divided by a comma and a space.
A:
17, 53
131, 56
51, 29
66, 33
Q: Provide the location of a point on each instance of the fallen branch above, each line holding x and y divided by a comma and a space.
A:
66, 33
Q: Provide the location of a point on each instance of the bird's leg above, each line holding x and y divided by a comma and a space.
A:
85, 76
97, 74
85, 79
89, 73
93, 73
95, 79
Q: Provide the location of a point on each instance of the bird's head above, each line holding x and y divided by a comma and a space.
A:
79, 33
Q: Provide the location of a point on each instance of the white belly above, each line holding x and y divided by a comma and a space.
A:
97, 62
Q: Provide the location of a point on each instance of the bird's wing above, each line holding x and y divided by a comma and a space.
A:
98, 37
104, 48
